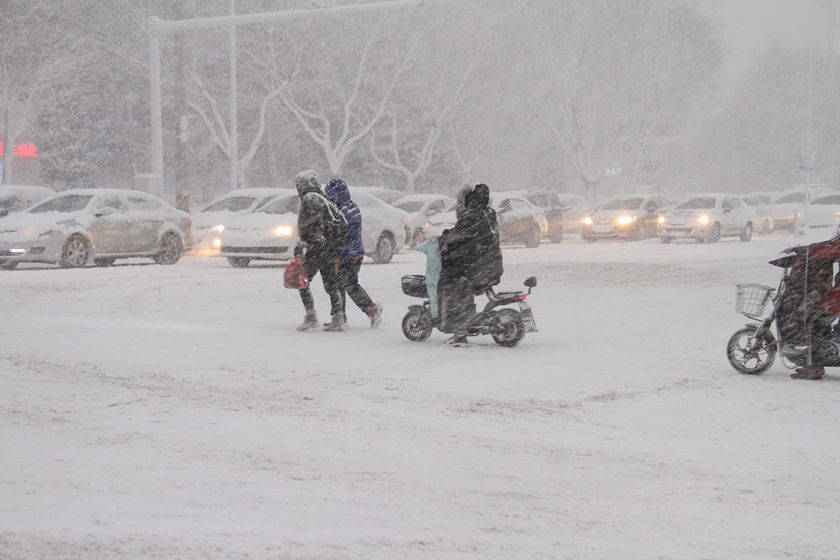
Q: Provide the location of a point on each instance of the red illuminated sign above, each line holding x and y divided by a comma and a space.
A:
22, 151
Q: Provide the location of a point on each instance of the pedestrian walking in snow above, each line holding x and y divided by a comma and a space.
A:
322, 230
352, 254
471, 260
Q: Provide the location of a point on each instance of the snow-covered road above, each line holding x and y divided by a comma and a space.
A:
174, 412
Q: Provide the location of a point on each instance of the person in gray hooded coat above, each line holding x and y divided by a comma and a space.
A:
319, 246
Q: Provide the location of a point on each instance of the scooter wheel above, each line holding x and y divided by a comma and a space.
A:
750, 356
511, 329
417, 325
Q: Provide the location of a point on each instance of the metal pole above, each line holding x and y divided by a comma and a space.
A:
234, 133
809, 144
157, 129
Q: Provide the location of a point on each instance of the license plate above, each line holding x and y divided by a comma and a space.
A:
527, 317
602, 229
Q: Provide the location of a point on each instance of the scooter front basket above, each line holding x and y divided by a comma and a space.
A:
751, 299
414, 285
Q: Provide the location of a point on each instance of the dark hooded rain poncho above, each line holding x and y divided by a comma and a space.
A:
471, 259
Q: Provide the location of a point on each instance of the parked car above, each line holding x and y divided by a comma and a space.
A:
762, 213
17, 198
708, 217
421, 207
625, 217
575, 209
210, 220
791, 202
79, 226
823, 211
270, 232
519, 220
549, 202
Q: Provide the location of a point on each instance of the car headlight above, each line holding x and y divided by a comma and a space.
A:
217, 243
661, 219
704, 219
283, 231
220, 228
624, 220
587, 220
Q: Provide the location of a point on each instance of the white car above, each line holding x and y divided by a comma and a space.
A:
520, 221
791, 202
388, 195
210, 220
420, 208
823, 211
17, 198
625, 217
79, 226
707, 217
270, 233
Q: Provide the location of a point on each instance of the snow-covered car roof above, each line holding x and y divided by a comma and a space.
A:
388, 195
257, 191
421, 196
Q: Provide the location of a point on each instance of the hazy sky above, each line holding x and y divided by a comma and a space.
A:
749, 25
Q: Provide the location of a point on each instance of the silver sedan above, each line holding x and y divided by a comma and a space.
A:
81, 226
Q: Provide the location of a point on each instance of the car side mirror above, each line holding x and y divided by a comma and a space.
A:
531, 281
431, 212
727, 209
4, 212
104, 211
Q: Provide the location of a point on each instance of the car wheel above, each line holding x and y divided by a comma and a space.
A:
104, 261
556, 235
589, 238
75, 252
239, 262
533, 239
8, 265
665, 240
714, 234
746, 235
170, 249
385, 249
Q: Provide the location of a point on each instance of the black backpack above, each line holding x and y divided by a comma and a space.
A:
335, 225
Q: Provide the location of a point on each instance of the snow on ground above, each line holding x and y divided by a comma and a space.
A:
174, 412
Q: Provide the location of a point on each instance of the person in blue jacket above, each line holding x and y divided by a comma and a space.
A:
352, 254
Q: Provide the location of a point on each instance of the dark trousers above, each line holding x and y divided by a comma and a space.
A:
456, 304
327, 267
348, 284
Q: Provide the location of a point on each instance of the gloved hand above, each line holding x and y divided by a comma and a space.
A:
300, 249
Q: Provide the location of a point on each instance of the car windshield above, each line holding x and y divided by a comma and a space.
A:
232, 204
68, 203
833, 199
286, 205
623, 204
696, 204
792, 197
410, 205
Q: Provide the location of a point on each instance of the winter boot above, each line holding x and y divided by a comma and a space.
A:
375, 315
457, 340
338, 324
310, 321
809, 372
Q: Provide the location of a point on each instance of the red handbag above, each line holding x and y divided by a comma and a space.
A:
295, 276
